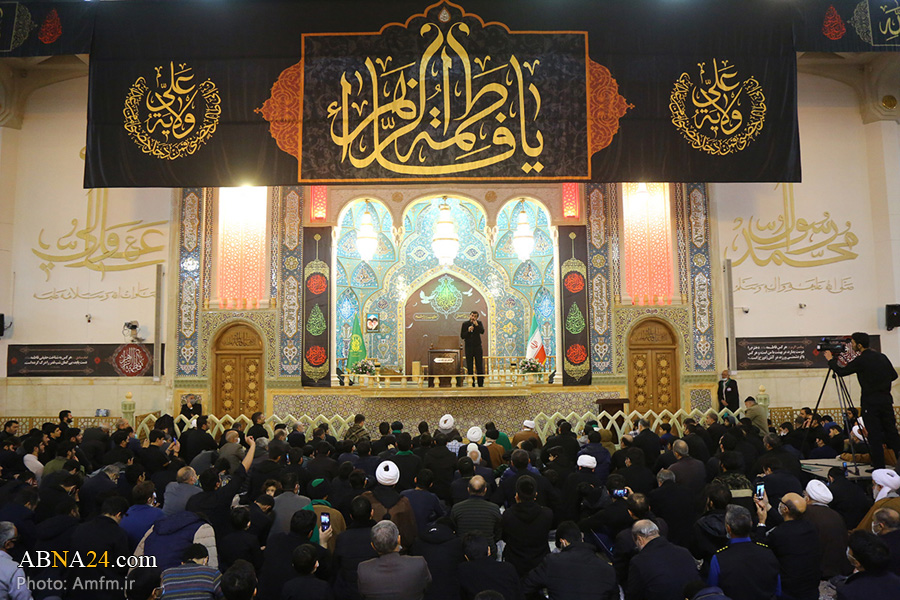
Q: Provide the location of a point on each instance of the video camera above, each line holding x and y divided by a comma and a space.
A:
835, 345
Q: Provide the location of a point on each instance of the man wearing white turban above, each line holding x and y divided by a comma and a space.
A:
830, 526
885, 483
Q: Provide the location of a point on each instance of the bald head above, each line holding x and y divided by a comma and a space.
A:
477, 486
680, 448
232, 436
794, 506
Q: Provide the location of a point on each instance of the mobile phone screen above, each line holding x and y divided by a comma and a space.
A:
326, 521
760, 490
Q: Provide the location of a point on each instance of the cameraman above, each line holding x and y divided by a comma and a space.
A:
875, 374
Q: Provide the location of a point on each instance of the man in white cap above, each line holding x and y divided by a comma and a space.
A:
527, 433
885, 483
829, 524
447, 426
474, 436
387, 503
481, 467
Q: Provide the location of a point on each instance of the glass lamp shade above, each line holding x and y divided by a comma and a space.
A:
445, 243
523, 238
366, 237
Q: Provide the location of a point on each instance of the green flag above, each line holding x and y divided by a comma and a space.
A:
357, 345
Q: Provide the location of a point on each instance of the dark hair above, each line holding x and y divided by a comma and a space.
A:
869, 550
594, 437
143, 492
568, 531
30, 444
732, 461
140, 583
526, 487
770, 462
64, 413
240, 517
425, 440
65, 506
404, 442
255, 416
425, 478
863, 340
488, 595
357, 479
615, 482
718, 495
360, 509
72, 432
359, 418
475, 546
304, 559
64, 448
195, 551
114, 505
363, 448
423, 427
209, 480
119, 437
202, 420
384, 428
156, 435
265, 500
303, 521
519, 459
739, 520
636, 456
239, 581
466, 466
639, 505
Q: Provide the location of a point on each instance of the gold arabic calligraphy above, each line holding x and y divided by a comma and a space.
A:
727, 113
100, 246
891, 24
396, 116
791, 241
163, 121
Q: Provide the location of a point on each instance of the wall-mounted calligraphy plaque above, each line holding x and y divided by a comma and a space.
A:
787, 352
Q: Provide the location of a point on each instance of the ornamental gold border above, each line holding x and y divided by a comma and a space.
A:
175, 150
718, 147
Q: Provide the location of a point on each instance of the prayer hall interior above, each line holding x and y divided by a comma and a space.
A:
323, 293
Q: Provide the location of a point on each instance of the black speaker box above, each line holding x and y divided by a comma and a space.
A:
2, 324
891, 316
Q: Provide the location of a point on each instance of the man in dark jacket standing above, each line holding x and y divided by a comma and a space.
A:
471, 332
575, 573
875, 374
352, 548
526, 525
647, 441
660, 570
101, 537
728, 394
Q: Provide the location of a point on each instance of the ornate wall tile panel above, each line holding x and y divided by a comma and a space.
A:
207, 242
701, 400
701, 296
264, 320
189, 283
287, 257
678, 317
599, 276
682, 235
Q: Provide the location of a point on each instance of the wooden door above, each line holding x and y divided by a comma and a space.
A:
238, 386
653, 375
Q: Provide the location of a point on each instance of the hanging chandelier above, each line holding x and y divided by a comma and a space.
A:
366, 236
523, 238
445, 243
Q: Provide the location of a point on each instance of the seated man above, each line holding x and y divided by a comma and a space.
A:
392, 576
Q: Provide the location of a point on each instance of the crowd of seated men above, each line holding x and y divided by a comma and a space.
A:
446, 511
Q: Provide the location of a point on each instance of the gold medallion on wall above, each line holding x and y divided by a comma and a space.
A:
720, 110
171, 116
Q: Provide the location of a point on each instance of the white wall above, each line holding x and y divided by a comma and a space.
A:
50, 206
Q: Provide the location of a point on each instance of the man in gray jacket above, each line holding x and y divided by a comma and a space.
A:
13, 584
287, 503
178, 492
392, 576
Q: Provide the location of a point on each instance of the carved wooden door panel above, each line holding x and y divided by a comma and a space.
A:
653, 381
239, 383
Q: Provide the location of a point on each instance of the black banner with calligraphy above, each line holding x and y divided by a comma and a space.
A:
574, 307
789, 352
184, 95
46, 28
315, 317
847, 25
80, 360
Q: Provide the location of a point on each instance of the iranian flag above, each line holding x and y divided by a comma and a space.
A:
536, 343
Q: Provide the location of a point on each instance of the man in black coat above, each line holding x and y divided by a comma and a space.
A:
481, 571
612, 519
795, 543
886, 525
637, 476
745, 570
443, 551
575, 572
442, 464
848, 499
101, 537
194, 441
689, 471
214, 502
505, 495
727, 392
306, 586
408, 463
647, 441
661, 569
872, 579
875, 374
277, 569
526, 525
565, 439
677, 505
352, 548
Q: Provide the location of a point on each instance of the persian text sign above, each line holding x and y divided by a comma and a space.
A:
444, 96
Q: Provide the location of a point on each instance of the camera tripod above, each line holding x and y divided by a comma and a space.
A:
845, 403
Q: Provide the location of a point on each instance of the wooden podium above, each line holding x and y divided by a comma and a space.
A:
444, 361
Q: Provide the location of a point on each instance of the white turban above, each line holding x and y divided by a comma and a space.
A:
587, 461
387, 473
446, 423
889, 481
528, 424
475, 434
818, 492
